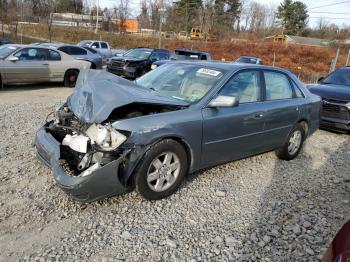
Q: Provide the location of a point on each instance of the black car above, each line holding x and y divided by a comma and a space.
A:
136, 62
5, 41
334, 90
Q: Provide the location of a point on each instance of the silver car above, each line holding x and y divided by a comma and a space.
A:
21, 64
79, 53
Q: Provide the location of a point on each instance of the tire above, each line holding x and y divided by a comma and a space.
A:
70, 77
292, 147
157, 178
93, 66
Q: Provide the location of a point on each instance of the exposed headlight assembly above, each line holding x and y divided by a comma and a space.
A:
153, 67
105, 137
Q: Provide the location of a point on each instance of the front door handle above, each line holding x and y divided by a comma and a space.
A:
258, 116
45, 64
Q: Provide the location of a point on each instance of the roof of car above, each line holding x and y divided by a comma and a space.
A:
150, 49
228, 65
190, 51
249, 56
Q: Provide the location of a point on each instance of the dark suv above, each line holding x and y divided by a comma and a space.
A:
136, 62
334, 90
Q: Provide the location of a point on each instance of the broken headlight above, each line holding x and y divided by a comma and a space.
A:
105, 137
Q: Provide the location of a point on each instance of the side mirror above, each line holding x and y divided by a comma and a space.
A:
320, 79
13, 59
224, 101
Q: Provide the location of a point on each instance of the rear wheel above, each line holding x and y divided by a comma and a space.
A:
292, 147
70, 78
162, 170
93, 66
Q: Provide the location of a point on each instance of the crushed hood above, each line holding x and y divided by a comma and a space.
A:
328, 91
97, 93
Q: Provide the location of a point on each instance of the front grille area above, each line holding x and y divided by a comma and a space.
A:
117, 65
335, 109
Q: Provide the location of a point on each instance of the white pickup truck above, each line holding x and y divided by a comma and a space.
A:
102, 47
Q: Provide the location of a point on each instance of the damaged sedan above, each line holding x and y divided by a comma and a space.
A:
113, 135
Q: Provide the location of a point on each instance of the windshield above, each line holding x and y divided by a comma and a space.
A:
181, 81
338, 77
187, 56
246, 60
5, 51
138, 53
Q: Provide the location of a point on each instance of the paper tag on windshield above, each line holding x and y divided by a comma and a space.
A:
208, 72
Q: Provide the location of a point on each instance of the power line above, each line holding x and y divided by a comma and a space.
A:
339, 3
329, 13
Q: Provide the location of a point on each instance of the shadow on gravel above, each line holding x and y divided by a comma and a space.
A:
302, 208
17, 88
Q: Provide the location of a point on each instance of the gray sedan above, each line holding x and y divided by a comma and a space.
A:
21, 64
113, 134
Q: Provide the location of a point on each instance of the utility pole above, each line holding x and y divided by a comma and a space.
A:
347, 59
97, 7
161, 17
334, 64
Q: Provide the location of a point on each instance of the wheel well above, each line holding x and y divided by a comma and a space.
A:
185, 146
305, 125
71, 69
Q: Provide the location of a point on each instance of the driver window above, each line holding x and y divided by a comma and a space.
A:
32, 54
245, 86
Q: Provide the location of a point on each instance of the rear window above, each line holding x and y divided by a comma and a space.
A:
104, 45
77, 51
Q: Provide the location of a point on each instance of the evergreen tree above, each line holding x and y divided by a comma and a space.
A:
292, 16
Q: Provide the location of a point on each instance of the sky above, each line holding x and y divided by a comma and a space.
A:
336, 11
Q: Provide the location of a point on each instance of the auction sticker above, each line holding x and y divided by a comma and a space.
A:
208, 72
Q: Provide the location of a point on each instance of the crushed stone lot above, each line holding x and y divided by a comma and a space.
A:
257, 209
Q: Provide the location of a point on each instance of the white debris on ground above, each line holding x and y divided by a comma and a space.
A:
256, 209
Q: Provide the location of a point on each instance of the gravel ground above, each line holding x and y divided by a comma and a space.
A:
256, 209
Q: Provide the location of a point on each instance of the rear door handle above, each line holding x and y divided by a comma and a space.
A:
45, 64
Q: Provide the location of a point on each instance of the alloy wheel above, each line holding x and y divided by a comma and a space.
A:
163, 171
294, 142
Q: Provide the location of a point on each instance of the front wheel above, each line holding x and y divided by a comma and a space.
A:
292, 147
70, 78
162, 170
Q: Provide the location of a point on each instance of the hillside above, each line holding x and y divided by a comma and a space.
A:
307, 61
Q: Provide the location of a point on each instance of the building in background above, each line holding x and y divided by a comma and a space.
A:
128, 25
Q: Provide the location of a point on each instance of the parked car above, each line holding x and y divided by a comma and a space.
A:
112, 133
102, 47
80, 53
5, 41
136, 62
335, 92
183, 35
21, 64
183, 54
249, 60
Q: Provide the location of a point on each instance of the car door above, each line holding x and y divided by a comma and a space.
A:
282, 107
235, 132
31, 66
57, 67
78, 53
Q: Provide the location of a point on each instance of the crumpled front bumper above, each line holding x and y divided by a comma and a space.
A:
101, 183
